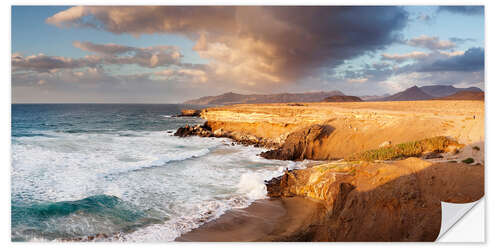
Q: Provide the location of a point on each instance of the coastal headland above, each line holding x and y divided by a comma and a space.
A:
386, 167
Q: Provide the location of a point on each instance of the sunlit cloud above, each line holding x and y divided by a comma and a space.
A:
404, 57
432, 43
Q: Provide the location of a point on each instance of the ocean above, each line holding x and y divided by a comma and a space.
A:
117, 171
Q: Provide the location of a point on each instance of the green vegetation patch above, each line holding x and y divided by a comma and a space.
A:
468, 161
404, 150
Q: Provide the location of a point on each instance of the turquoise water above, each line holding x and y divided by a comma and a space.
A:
82, 170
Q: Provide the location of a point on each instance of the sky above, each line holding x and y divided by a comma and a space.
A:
169, 54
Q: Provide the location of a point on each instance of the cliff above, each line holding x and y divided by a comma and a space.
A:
379, 191
329, 131
399, 201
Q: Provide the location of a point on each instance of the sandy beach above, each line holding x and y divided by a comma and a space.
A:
263, 220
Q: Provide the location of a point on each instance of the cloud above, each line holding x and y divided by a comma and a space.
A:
404, 57
183, 74
107, 54
452, 53
399, 82
461, 40
147, 57
44, 63
106, 49
248, 49
282, 45
432, 43
139, 20
390, 76
98, 85
357, 80
424, 17
471, 60
465, 10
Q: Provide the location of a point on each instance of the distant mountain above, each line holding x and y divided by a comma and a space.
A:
234, 98
342, 98
411, 94
464, 95
445, 90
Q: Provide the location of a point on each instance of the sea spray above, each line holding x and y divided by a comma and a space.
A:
252, 185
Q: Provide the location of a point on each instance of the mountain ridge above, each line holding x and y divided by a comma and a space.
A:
430, 92
415, 93
446, 90
410, 94
234, 98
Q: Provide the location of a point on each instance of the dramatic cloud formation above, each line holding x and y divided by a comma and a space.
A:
466, 10
432, 43
359, 50
293, 43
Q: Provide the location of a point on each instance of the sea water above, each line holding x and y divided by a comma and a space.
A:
116, 170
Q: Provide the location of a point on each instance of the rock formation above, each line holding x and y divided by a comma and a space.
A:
190, 112
299, 145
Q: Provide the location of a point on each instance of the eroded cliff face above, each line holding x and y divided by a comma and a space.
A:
349, 128
398, 201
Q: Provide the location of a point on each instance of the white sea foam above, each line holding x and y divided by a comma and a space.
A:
183, 181
252, 185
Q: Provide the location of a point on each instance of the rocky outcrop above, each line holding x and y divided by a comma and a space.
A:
190, 112
198, 130
399, 201
300, 144
242, 138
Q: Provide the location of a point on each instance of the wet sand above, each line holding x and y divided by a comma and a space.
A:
263, 220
